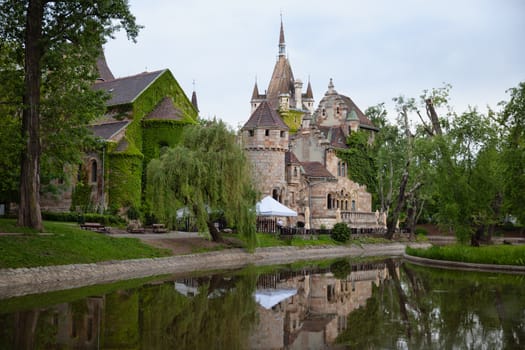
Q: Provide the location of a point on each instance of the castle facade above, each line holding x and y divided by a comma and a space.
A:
293, 149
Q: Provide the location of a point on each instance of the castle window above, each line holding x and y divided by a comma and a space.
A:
337, 110
267, 132
94, 171
250, 132
295, 171
324, 112
282, 133
353, 205
329, 201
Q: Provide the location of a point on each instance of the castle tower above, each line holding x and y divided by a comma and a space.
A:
282, 81
257, 98
265, 141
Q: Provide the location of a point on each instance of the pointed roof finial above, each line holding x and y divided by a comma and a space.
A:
331, 89
282, 45
194, 98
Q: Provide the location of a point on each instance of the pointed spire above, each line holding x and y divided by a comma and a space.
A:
194, 98
309, 92
255, 93
104, 73
282, 45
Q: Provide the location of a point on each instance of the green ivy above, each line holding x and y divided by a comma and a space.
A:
81, 196
126, 169
292, 119
125, 180
360, 160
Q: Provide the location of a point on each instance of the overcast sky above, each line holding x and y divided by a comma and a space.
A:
374, 50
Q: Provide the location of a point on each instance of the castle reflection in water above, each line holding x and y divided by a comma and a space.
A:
316, 314
298, 309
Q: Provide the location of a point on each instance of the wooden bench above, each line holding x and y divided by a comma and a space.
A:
159, 228
94, 226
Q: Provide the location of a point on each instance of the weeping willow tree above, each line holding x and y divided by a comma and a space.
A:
208, 175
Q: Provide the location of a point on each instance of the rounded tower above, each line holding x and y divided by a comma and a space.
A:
265, 140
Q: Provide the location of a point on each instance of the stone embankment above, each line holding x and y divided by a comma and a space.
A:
23, 281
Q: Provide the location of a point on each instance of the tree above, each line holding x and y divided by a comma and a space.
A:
513, 121
207, 174
55, 40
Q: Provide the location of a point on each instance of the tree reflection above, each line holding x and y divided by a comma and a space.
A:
434, 309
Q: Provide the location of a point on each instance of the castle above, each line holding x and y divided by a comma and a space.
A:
293, 149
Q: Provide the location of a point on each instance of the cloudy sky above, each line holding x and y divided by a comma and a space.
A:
374, 50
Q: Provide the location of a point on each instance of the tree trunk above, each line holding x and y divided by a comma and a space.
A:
431, 111
391, 222
216, 236
29, 214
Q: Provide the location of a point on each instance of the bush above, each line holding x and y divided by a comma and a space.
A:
421, 231
340, 232
80, 218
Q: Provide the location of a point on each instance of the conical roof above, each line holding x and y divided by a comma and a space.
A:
265, 117
194, 100
104, 73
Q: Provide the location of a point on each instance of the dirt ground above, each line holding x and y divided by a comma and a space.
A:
180, 242
185, 245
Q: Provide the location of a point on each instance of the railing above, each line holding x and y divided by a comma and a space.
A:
360, 220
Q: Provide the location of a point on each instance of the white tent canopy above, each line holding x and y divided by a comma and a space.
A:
270, 207
268, 298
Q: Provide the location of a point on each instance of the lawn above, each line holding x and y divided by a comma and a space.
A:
496, 254
64, 243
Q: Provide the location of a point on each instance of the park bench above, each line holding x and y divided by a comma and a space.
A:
94, 226
159, 228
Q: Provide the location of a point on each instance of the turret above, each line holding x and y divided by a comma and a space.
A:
298, 85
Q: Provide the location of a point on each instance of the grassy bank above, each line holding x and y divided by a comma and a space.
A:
64, 243
497, 254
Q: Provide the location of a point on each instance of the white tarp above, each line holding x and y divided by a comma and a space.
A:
270, 207
268, 298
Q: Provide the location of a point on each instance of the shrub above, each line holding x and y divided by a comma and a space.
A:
80, 218
340, 232
421, 231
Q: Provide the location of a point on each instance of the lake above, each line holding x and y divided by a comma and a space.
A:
337, 304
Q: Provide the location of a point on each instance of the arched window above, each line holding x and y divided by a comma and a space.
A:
276, 194
337, 110
295, 171
329, 201
94, 171
353, 205
346, 205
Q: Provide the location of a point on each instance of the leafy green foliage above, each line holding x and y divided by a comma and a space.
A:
207, 170
57, 44
513, 121
360, 159
500, 255
340, 232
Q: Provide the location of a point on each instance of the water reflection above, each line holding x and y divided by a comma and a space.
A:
345, 305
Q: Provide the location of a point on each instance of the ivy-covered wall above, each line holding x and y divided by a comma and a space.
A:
144, 140
159, 133
125, 180
292, 119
